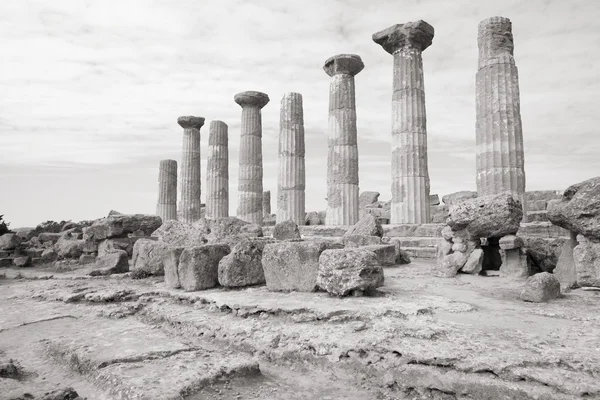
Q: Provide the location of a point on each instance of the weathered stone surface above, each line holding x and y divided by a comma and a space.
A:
487, 216
543, 252
386, 253
178, 233
434, 200
579, 209
6, 262
10, 241
367, 198
121, 225
343, 271
62, 394
368, 225
474, 263
587, 262
109, 245
198, 267
313, 218
439, 213
540, 288
87, 259
565, 270
49, 237
243, 266
293, 265
444, 248
230, 230
458, 197
450, 265
171, 264
68, 248
510, 242
148, 256
286, 230
360, 240
515, 264
22, 262
49, 255
115, 262
34, 253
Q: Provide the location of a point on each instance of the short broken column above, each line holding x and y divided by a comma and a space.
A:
500, 160
291, 173
250, 178
190, 179
410, 174
166, 208
266, 203
342, 157
217, 172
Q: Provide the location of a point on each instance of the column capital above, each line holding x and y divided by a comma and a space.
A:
415, 35
189, 121
251, 98
350, 64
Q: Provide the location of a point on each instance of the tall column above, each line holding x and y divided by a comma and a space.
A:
217, 172
190, 180
410, 174
250, 181
499, 133
342, 157
266, 202
291, 174
166, 208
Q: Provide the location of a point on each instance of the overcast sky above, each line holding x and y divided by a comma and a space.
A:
90, 92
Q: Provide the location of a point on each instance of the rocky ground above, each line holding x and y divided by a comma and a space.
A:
422, 337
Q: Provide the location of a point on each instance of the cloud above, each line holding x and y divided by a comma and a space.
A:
91, 91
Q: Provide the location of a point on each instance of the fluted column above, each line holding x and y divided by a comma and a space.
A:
291, 174
166, 207
250, 181
266, 202
217, 172
190, 179
342, 157
410, 174
500, 160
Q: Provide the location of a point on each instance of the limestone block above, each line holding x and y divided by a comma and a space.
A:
368, 225
171, 265
386, 253
10, 241
587, 263
566, 271
474, 263
343, 271
450, 265
458, 197
114, 262
121, 225
286, 230
148, 256
198, 267
87, 258
177, 233
293, 265
510, 242
243, 266
109, 245
68, 248
49, 255
515, 264
360, 240
540, 288
22, 262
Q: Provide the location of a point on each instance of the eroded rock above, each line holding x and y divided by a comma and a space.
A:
286, 230
343, 271
243, 266
115, 262
198, 267
540, 288
368, 225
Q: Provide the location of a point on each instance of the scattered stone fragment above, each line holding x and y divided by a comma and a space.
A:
474, 263
286, 230
178, 233
343, 271
148, 256
171, 265
540, 288
115, 262
121, 225
487, 216
450, 265
49, 237
66, 247
243, 266
108, 245
87, 259
49, 255
199, 266
565, 270
293, 265
587, 262
10, 241
386, 253
22, 262
368, 225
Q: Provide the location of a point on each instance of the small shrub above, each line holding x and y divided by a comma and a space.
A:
4, 226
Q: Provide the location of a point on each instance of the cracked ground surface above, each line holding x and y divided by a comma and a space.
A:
422, 337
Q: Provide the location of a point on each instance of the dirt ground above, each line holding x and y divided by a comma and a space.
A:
422, 337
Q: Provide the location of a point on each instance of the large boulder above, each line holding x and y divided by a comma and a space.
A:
487, 216
540, 288
10, 241
587, 262
148, 256
243, 266
67, 247
107, 246
458, 197
293, 265
198, 267
115, 262
368, 225
579, 209
178, 233
343, 271
121, 225
286, 230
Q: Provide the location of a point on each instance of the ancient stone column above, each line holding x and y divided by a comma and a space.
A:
217, 172
190, 179
410, 174
500, 161
266, 202
250, 181
342, 157
291, 174
166, 208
